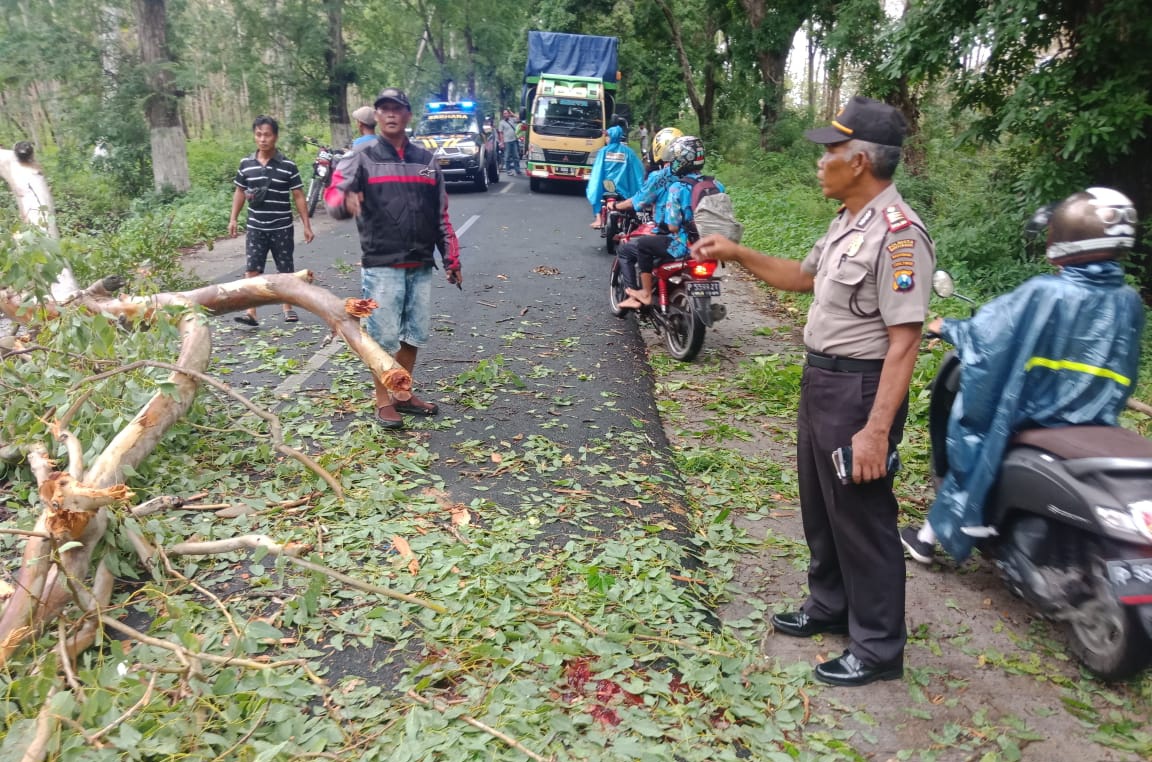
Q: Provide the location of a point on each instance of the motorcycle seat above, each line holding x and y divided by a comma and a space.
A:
1072, 442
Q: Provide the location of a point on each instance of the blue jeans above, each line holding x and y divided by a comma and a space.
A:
404, 314
512, 155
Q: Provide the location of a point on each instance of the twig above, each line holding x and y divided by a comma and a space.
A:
512, 742
620, 636
1140, 407
184, 654
26, 533
200, 589
143, 702
37, 748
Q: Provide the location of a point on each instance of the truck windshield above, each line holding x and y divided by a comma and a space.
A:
446, 124
568, 117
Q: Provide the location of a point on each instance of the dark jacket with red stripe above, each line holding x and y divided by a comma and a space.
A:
404, 214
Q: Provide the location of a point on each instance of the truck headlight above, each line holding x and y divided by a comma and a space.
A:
535, 152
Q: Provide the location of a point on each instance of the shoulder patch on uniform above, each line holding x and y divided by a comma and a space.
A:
865, 218
903, 243
896, 219
903, 280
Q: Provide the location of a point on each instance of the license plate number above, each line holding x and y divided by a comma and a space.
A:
563, 170
704, 288
1132, 579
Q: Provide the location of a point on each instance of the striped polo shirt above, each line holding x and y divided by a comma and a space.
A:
281, 177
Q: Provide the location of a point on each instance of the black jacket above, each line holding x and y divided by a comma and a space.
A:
404, 214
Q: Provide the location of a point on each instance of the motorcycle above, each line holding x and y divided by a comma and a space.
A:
682, 309
1072, 519
616, 226
322, 166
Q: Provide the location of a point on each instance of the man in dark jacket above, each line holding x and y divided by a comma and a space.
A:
395, 191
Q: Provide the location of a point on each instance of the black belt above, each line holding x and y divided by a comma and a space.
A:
843, 364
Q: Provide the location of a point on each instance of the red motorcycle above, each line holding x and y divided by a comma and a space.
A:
616, 225
682, 309
322, 167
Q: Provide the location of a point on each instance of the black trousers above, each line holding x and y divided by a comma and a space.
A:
641, 255
856, 570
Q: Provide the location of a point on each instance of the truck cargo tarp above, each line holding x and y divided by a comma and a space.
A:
574, 55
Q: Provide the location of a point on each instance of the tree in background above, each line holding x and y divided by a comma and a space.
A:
162, 105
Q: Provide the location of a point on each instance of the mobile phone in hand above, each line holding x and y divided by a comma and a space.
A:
842, 460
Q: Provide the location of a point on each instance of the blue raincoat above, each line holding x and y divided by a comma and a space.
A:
1059, 350
618, 163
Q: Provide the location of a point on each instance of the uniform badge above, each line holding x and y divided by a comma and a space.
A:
854, 245
903, 243
902, 280
865, 218
896, 219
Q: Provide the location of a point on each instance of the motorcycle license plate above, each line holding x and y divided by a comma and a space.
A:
704, 288
1132, 580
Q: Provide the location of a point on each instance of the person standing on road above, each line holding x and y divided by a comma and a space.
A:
365, 118
511, 143
396, 192
862, 335
270, 183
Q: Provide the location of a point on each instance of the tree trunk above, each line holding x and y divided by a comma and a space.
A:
337, 75
161, 107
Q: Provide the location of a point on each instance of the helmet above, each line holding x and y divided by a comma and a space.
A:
663, 141
686, 155
1093, 225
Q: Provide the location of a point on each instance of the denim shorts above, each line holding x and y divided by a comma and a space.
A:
404, 296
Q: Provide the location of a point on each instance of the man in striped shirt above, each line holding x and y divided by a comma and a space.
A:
270, 183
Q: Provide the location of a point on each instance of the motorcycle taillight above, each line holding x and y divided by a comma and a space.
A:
703, 270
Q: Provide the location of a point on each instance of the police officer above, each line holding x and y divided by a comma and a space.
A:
869, 274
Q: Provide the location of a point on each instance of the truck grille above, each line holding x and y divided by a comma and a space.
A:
565, 157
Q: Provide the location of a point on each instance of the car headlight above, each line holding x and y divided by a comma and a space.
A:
535, 153
468, 149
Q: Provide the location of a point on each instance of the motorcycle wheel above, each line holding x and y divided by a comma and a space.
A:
616, 291
612, 229
1105, 635
684, 331
313, 196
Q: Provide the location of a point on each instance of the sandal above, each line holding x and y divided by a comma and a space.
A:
246, 320
387, 417
290, 316
416, 406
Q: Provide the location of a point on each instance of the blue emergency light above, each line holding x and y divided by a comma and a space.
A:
462, 105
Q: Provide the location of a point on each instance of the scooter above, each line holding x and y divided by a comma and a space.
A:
1070, 524
682, 309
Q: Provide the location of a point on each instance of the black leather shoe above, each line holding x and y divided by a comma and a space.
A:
800, 625
848, 671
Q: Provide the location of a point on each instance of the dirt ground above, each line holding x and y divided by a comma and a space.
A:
979, 665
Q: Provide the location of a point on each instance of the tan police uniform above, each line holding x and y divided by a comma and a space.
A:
871, 270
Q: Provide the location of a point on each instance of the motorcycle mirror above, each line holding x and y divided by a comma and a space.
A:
943, 284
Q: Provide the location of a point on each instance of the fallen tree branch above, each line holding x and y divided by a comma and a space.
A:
616, 636
275, 428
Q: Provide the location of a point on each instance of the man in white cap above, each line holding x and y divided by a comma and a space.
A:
365, 119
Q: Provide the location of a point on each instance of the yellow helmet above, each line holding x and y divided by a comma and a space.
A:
663, 141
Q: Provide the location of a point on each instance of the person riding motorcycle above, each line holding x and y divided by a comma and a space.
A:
1059, 350
685, 162
618, 163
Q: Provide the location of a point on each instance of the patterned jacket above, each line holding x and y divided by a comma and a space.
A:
404, 213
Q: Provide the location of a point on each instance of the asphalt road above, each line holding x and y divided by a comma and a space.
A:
532, 317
